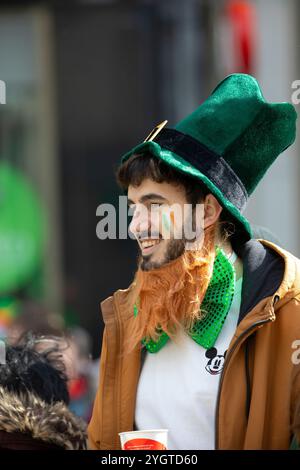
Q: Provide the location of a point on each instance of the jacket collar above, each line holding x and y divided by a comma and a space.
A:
268, 270
263, 271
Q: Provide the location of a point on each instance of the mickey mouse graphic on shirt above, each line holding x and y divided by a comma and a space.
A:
216, 361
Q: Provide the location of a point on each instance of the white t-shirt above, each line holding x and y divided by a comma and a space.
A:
178, 386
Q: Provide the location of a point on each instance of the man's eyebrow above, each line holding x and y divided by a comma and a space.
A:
148, 197
151, 196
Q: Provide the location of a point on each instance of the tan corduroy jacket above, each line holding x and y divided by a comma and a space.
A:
260, 382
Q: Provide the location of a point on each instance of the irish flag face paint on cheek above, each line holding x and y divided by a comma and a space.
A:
168, 220
172, 217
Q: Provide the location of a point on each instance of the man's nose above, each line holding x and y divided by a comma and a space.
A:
140, 220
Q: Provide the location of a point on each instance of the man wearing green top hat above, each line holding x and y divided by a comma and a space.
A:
203, 341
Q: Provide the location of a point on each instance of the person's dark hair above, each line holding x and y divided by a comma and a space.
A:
140, 167
28, 371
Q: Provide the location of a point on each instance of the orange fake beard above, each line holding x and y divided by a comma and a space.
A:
169, 297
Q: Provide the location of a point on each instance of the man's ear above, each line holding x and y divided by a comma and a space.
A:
212, 210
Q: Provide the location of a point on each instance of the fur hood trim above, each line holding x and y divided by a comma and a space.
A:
51, 423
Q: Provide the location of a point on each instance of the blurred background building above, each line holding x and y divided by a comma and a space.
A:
85, 81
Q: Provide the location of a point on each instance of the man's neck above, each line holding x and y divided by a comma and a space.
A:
238, 264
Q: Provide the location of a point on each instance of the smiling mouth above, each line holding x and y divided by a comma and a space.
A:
147, 246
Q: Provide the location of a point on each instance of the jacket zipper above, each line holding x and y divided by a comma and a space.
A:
251, 328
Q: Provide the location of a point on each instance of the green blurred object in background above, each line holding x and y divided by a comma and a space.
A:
21, 230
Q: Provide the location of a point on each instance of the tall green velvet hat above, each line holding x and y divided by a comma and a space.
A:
228, 142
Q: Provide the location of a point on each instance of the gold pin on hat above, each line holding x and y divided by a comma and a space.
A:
155, 131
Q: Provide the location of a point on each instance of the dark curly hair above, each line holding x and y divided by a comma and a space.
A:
26, 370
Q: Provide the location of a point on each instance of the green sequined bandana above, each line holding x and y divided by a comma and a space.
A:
216, 305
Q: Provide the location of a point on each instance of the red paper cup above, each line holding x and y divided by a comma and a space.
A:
152, 439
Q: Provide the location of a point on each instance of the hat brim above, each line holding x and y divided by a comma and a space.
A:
179, 164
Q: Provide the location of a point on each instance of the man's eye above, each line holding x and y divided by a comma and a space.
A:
155, 206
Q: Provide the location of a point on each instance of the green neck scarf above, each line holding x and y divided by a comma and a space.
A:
216, 305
